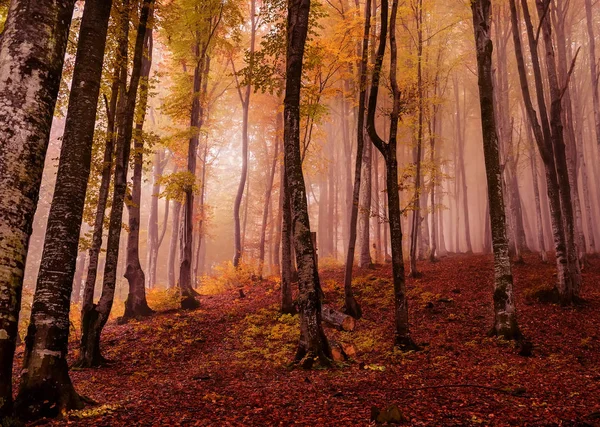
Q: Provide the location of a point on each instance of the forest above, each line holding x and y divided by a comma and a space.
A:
301, 212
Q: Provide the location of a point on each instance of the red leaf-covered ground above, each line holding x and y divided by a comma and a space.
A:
226, 364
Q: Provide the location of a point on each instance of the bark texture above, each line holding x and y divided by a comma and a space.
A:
46, 388
402, 337
505, 315
94, 320
313, 345
136, 304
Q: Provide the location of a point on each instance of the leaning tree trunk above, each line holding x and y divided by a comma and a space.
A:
351, 306
46, 388
505, 315
402, 337
111, 106
95, 319
136, 304
32, 49
313, 345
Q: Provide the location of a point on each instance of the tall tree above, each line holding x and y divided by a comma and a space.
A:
418, 152
351, 306
155, 238
94, 320
46, 388
245, 100
402, 337
568, 276
589, 20
505, 314
32, 50
136, 304
313, 345
203, 38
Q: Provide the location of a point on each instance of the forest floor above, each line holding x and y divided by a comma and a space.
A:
226, 364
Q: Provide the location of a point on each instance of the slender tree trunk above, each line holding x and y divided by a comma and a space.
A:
593, 68
570, 292
543, 137
402, 337
176, 221
351, 306
505, 315
461, 170
94, 253
287, 264
245, 98
186, 290
376, 220
46, 388
94, 320
313, 345
536, 195
332, 229
279, 219
268, 191
416, 213
364, 259
154, 240
77, 279
136, 304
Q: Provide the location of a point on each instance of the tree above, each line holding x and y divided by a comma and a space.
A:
32, 51
313, 345
568, 274
93, 321
402, 337
136, 304
351, 306
505, 314
154, 238
245, 100
46, 388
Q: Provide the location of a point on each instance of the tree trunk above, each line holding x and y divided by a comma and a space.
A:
461, 170
570, 292
351, 306
418, 152
94, 320
77, 279
268, 191
543, 138
313, 345
173, 244
287, 306
536, 195
136, 304
46, 388
186, 290
593, 67
154, 240
402, 337
245, 98
364, 259
505, 316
